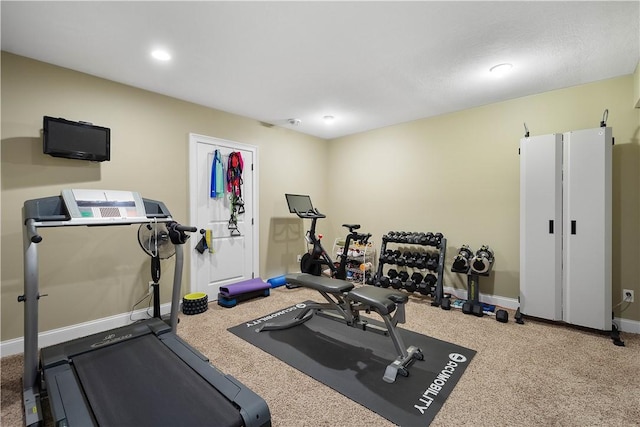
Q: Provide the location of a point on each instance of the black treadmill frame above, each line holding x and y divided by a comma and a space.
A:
67, 400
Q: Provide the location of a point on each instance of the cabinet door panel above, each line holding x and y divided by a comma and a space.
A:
587, 222
541, 226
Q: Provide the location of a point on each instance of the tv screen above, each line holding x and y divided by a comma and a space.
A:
76, 140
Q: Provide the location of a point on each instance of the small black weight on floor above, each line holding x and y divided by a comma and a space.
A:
477, 310
445, 304
502, 316
466, 307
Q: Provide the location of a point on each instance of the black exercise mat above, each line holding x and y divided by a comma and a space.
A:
353, 361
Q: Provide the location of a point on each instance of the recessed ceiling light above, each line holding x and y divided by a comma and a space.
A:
328, 119
294, 122
501, 69
161, 55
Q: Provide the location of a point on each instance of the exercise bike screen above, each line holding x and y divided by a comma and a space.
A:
299, 202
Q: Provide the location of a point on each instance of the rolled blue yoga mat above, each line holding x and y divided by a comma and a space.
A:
277, 281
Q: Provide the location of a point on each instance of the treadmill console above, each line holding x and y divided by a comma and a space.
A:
104, 206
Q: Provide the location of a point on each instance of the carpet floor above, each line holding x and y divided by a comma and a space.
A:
536, 374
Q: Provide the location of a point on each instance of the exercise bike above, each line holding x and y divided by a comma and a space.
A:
317, 256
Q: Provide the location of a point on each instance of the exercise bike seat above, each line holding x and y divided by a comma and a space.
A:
319, 283
351, 227
382, 300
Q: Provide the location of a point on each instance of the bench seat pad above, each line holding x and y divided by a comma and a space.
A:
319, 283
381, 300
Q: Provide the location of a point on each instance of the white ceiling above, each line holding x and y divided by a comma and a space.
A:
369, 64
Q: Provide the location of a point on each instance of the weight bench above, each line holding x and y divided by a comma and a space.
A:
345, 302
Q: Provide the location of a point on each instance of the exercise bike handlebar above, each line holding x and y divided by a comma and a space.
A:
310, 214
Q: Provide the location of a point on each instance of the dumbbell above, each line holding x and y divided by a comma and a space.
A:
421, 260
387, 257
430, 281
401, 261
462, 260
394, 280
432, 262
384, 282
477, 310
426, 286
410, 286
482, 261
414, 281
411, 259
502, 316
429, 239
438, 238
470, 308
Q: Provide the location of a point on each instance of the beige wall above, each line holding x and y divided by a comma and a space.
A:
91, 273
636, 87
457, 173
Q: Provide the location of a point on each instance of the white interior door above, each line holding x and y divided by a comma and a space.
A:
233, 254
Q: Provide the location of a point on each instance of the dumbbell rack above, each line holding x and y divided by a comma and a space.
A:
465, 263
415, 239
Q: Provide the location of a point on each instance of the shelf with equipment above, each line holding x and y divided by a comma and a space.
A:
412, 261
361, 259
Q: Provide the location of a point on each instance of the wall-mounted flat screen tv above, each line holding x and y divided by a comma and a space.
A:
76, 140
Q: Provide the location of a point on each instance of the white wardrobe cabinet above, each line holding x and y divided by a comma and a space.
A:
565, 227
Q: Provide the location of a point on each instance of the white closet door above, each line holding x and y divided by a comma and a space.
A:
587, 222
541, 226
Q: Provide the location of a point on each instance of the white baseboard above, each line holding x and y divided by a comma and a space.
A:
56, 336
624, 325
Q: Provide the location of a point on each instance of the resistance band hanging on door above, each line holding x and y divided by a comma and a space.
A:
217, 176
234, 188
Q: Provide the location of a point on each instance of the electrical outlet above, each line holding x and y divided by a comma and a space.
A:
299, 258
627, 295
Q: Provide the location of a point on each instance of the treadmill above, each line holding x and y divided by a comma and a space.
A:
141, 374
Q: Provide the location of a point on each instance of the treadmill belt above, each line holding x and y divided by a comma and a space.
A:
140, 382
